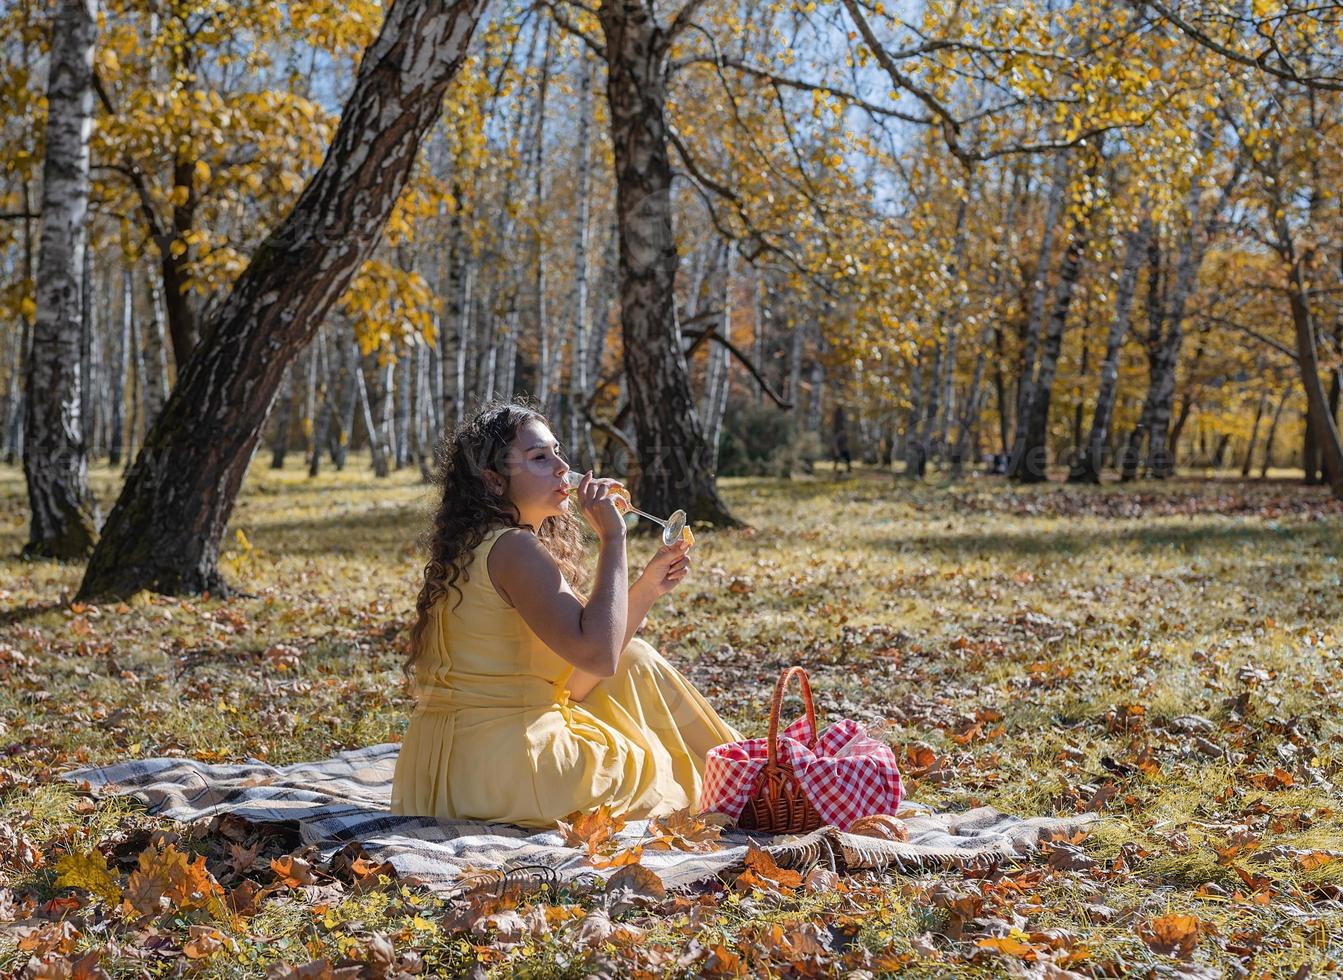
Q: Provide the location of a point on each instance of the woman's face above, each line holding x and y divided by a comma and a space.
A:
535, 469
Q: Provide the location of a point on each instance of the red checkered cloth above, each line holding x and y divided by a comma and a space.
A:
848, 775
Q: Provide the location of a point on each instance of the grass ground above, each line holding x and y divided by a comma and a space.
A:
1169, 656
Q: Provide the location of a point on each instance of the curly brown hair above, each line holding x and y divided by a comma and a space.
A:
468, 511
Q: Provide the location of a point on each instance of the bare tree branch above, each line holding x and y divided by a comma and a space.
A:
1325, 83
704, 336
801, 85
569, 27
1278, 346
683, 19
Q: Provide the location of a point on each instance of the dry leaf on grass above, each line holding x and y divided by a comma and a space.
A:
634, 886
1172, 935
292, 871
89, 872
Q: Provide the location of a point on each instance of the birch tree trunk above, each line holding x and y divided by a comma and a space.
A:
64, 514
374, 431
448, 342
165, 529
794, 382
1156, 304
154, 381
675, 459
1319, 419
13, 420
1254, 435
508, 359
916, 451
1030, 459
543, 330
280, 434
1160, 458
1270, 441
465, 346
1039, 300
344, 386
88, 359
947, 382
321, 393
974, 401
405, 377
580, 429
135, 401
1089, 465
718, 409
310, 395
120, 362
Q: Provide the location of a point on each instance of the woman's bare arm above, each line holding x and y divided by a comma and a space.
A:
591, 636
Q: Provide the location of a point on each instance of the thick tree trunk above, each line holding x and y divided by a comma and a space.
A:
165, 529
1319, 420
675, 458
64, 513
1089, 465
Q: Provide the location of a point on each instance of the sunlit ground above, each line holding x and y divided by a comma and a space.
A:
1167, 655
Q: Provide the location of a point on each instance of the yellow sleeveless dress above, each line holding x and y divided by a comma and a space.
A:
495, 736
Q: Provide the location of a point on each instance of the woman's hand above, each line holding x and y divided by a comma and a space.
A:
597, 504
666, 569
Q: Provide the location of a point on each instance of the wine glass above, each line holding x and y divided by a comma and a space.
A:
671, 527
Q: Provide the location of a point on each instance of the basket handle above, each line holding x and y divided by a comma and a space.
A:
777, 703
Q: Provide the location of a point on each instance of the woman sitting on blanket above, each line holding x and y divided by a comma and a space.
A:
535, 701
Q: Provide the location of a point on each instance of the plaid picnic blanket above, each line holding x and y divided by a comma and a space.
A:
344, 799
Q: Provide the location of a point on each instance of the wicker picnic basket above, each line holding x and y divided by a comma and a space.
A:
777, 804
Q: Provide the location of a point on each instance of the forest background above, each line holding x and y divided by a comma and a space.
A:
1065, 235
1039, 241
